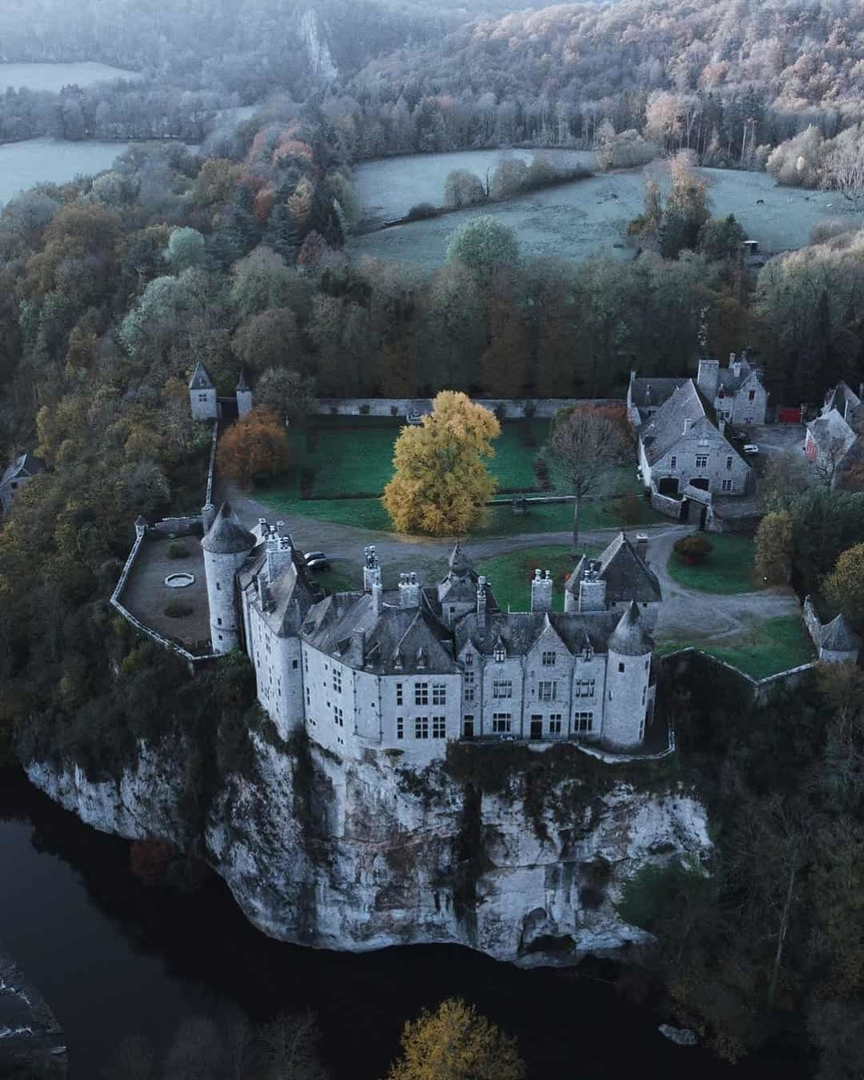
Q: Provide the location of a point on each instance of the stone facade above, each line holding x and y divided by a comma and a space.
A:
735, 392
204, 404
411, 668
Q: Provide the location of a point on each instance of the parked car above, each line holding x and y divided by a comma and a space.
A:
316, 560
750, 449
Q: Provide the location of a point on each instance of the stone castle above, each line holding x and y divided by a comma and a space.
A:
409, 668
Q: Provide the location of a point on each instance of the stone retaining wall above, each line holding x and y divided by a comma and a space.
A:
514, 409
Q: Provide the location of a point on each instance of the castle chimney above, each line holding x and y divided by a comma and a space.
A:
592, 589
481, 601
377, 591
371, 568
409, 591
208, 516
279, 554
687, 423
642, 547
541, 592
358, 638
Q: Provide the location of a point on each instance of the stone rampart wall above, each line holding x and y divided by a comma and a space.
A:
514, 409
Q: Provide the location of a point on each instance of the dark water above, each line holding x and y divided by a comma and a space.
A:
113, 957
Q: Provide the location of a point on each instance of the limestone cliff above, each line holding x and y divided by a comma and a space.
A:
526, 866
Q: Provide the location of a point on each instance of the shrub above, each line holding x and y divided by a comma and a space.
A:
394, 410
692, 549
422, 210
178, 609
177, 550
364, 409
529, 410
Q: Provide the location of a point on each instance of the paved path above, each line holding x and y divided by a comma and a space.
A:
685, 614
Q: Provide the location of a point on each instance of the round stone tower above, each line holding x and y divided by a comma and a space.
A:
628, 677
226, 545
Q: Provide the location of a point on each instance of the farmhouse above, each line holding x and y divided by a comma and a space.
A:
22, 469
409, 668
832, 443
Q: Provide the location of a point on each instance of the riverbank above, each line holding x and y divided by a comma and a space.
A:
31, 1039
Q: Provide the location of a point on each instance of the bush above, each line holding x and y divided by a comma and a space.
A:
394, 410
692, 549
177, 550
422, 210
177, 609
364, 409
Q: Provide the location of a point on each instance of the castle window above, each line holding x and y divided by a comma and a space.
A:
729, 462
501, 722
421, 693
468, 727
400, 727
548, 659
439, 694
701, 461
337, 680
398, 693
555, 724
469, 659
500, 653
502, 688
751, 396
469, 693
547, 690
202, 397
218, 621
308, 696
727, 485
643, 695
673, 462
421, 727
439, 727
647, 664
642, 730
583, 722
621, 666
306, 663
584, 688
468, 678
295, 664
218, 587
338, 717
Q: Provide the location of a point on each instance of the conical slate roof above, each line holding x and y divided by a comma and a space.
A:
226, 535
631, 637
458, 561
200, 378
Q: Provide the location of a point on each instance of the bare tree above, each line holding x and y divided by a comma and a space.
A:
288, 1048
585, 445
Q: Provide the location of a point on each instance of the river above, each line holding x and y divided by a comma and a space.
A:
114, 957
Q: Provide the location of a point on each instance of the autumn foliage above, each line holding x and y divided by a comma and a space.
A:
256, 445
456, 1043
442, 483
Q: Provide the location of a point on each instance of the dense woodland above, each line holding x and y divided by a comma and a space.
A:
111, 288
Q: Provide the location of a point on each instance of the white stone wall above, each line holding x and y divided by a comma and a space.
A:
244, 402
329, 702
203, 404
220, 571
744, 410
589, 671
626, 698
421, 740
493, 671
537, 705
278, 673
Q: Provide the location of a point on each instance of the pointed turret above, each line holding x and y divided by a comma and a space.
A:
226, 545
631, 636
628, 680
202, 394
244, 395
227, 536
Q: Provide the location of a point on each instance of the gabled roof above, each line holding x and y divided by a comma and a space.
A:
25, 465
649, 393
839, 397
731, 382
631, 636
666, 426
459, 584
519, 632
838, 636
291, 595
226, 535
627, 577
200, 378
831, 433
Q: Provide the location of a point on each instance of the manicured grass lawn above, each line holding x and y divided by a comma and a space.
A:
770, 647
510, 575
728, 568
341, 577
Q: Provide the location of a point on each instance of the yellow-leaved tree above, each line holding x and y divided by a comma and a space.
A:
456, 1043
442, 482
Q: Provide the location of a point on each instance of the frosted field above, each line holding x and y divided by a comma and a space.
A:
36, 161
589, 217
55, 76
390, 187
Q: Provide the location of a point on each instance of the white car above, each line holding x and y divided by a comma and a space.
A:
750, 449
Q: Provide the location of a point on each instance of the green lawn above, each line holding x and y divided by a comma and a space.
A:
769, 647
728, 568
510, 575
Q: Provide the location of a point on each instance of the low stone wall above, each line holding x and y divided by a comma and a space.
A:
761, 688
665, 504
812, 622
514, 409
168, 528
211, 469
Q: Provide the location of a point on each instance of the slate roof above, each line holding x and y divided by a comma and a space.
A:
409, 640
839, 636
731, 382
831, 433
459, 584
226, 535
26, 464
200, 378
649, 393
839, 397
631, 636
243, 382
666, 426
520, 631
627, 577
291, 595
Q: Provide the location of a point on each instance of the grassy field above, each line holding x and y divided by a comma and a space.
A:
589, 217
344, 463
510, 575
769, 647
728, 568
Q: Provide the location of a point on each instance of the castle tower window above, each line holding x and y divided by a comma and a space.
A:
469, 659
673, 462
439, 694
399, 693
501, 723
729, 462
621, 666
421, 693
337, 680
439, 727
421, 727
338, 716
751, 396
400, 727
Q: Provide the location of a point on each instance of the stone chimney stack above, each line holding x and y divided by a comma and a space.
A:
279, 552
409, 590
541, 592
481, 601
371, 568
358, 641
735, 364
687, 423
642, 547
708, 378
377, 590
592, 589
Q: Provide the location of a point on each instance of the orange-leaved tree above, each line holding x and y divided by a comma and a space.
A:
442, 483
256, 445
456, 1043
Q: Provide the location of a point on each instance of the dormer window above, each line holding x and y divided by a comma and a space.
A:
500, 652
421, 657
721, 393
469, 659
397, 660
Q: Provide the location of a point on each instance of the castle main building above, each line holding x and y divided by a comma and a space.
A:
408, 669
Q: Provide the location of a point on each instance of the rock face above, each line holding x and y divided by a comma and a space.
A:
362, 856
30, 1037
